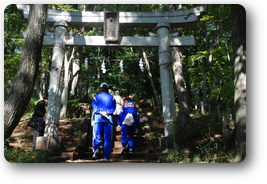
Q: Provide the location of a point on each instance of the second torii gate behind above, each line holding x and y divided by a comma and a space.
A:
162, 21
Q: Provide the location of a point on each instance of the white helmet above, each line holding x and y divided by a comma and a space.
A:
103, 84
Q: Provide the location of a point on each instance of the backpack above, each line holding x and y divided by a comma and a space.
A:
37, 123
33, 123
129, 120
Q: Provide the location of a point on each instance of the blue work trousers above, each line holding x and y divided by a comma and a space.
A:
107, 128
127, 130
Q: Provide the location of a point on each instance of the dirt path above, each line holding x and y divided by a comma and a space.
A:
22, 136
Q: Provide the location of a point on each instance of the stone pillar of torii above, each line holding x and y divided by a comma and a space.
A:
112, 21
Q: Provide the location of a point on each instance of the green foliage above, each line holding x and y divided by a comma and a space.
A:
66, 7
195, 63
176, 156
73, 102
25, 155
182, 156
79, 129
208, 147
228, 93
14, 28
220, 88
214, 95
204, 147
31, 106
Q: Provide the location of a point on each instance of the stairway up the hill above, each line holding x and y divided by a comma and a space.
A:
139, 142
144, 149
141, 151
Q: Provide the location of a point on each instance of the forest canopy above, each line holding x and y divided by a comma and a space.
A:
209, 61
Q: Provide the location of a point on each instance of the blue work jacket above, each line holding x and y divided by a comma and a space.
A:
103, 102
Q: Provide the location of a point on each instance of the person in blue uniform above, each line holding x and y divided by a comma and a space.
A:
104, 106
128, 123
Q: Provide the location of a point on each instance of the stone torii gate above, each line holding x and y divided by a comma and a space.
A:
112, 21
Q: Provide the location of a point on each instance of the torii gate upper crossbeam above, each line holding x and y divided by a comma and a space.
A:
181, 18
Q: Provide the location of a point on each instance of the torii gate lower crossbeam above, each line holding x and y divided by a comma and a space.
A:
125, 41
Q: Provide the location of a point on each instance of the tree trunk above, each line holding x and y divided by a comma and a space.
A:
98, 66
183, 115
66, 77
206, 65
225, 42
219, 113
151, 79
203, 110
21, 91
238, 15
150, 76
76, 69
37, 87
202, 107
78, 57
65, 94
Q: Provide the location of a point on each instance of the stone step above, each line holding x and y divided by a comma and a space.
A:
140, 129
135, 149
118, 149
111, 161
62, 155
117, 144
140, 150
59, 159
117, 136
135, 155
135, 137
144, 119
117, 155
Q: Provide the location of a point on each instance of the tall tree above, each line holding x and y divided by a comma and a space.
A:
65, 94
183, 116
14, 29
150, 76
76, 64
238, 15
22, 89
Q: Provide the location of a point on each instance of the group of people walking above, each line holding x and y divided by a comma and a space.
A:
105, 108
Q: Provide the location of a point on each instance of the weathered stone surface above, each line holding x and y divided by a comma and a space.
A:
126, 41
55, 86
56, 143
181, 18
167, 90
